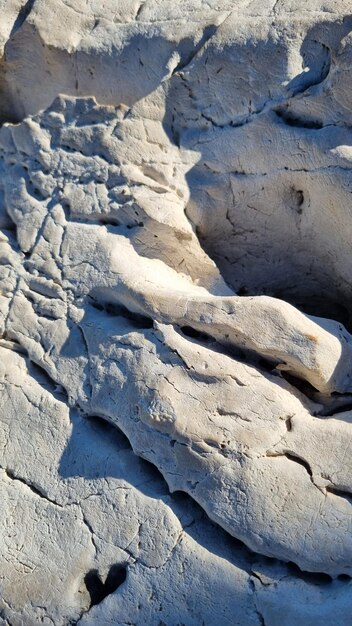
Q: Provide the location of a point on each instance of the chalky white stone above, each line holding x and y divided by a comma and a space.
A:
175, 287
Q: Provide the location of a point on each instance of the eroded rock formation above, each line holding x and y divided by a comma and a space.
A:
175, 196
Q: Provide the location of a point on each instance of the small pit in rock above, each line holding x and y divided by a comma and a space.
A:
97, 589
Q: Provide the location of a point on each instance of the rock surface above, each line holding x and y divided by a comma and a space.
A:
175, 286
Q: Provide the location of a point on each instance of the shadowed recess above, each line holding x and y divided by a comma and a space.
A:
97, 589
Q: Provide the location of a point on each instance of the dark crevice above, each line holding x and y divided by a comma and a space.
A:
261, 363
22, 16
10, 474
301, 385
299, 195
292, 457
318, 579
95, 219
288, 424
104, 427
242, 355
37, 371
296, 459
344, 578
154, 473
261, 618
137, 225
100, 219
208, 33
139, 10
340, 493
136, 320
337, 405
314, 578
297, 122
188, 331
329, 405
99, 590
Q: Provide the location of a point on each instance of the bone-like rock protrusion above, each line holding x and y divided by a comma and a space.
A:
316, 350
273, 329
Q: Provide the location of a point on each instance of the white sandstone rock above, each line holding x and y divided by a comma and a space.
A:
175, 262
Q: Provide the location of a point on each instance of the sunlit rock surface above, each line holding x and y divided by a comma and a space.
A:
175, 293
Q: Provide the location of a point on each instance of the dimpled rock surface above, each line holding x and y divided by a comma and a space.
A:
175, 292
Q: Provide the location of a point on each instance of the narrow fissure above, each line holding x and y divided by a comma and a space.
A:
340, 493
38, 492
22, 16
136, 320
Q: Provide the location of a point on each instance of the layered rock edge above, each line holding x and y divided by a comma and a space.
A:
116, 221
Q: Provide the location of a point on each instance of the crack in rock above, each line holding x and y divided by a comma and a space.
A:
177, 266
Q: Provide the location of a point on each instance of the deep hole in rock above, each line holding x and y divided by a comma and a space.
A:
288, 424
97, 589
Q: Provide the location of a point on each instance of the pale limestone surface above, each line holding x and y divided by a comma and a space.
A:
194, 152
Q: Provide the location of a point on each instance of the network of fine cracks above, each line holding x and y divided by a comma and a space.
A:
116, 319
